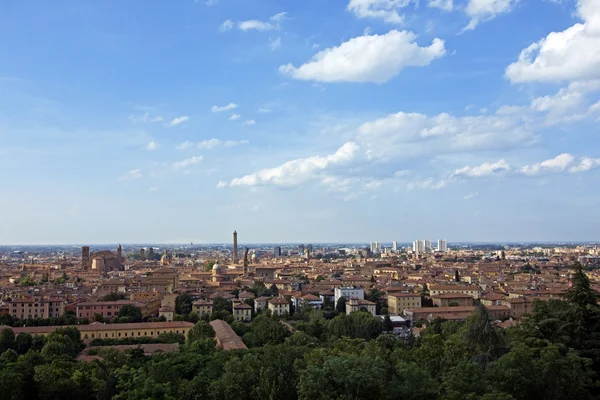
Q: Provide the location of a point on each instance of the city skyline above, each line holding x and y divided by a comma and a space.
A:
313, 121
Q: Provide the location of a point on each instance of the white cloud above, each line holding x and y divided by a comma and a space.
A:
471, 195
483, 170
249, 122
227, 107
585, 164
297, 171
187, 162
152, 146
559, 163
226, 26
446, 5
154, 189
485, 10
214, 143
275, 44
185, 145
413, 134
254, 24
264, 110
145, 118
569, 55
211, 2
428, 183
132, 175
386, 10
178, 120
369, 58
234, 117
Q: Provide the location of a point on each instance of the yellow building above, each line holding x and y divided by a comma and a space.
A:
398, 302
279, 306
36, 307
473, 291
98, 330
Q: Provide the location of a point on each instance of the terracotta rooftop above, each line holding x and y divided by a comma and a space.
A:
226, 338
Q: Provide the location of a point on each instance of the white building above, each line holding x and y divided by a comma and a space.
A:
428, 248
442, 245
419, 246
394, 246
375, 247
348, 293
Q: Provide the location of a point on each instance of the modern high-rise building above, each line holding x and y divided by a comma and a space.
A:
442, 245
277, 252
428, 248
394, 246
235, 248
375, 247
301, 249
142, 254
419, 246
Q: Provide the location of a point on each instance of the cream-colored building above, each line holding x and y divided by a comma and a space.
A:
279, 306
354, 304
32, 307
398, 302
202, 307
242, 312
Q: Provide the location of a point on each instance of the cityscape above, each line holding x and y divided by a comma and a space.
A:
301, 200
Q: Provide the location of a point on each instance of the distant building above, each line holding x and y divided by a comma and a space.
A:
348, 293
86, 262
33, 307
202, 307
235, 247
242, 312
355, 304
107, 309
442, 246
279, 306
394, 246
398, 302
452, 299
419, 246
375, 247
277, 252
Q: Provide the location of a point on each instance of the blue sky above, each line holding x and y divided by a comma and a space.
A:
354, 120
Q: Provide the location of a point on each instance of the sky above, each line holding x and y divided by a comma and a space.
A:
299, 121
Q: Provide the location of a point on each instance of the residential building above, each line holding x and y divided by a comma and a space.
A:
472, 290
452, 313
398, 302
348, 292
260, 303
242, 312
394, 246
107, 309
202, 307
33, 307
452, 299
442, 246
355, 304
279, 306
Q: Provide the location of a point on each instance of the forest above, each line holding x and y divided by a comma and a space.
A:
551, 354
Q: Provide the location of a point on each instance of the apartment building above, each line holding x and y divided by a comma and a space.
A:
398, 302
107, 309
32, 307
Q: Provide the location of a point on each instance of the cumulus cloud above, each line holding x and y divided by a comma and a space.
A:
446, 5
178, 120
228, 107
483, 170
569, 55
559, 163
367, 58
234, 117
470, 195
585, 164
187, 162
131, 175
152, 146
297, 171
249, 122
411, 134
485, 10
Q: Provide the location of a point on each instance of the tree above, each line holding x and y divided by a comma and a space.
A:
7, 340
130, 313
263, 331
183, 304
480, 333
387, 324
222, 304
202, 330
340, 307
114, 296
